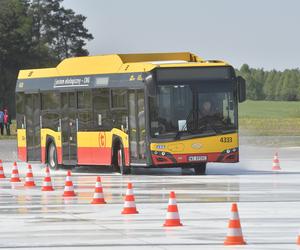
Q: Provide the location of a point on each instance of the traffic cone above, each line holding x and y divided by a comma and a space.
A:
276, 165
98, 195
234, 235
129, 202
69, 188
298, 239
15, 174
2, 175
29, 182
172, 218
47, 184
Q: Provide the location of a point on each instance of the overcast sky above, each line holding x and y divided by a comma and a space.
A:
262, 33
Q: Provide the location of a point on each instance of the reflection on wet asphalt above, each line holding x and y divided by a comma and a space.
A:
269, 205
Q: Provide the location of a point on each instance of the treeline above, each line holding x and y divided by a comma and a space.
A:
34, 34
271, 85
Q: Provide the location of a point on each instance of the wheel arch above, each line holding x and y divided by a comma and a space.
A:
116, 142
49, 139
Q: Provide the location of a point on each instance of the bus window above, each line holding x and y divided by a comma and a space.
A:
118, 98
84, 99
20, 108
50, 101
84, 110
101, 116
50, 110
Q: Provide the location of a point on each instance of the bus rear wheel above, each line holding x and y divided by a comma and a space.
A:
200, 169
52, 156
119, 161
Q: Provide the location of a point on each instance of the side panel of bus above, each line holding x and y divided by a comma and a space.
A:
95, 148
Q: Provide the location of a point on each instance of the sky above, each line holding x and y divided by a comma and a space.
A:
262, 33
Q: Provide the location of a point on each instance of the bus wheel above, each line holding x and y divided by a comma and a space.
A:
52, 156
200, 169
119, 161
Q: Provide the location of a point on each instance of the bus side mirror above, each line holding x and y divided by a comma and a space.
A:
151, 86
241, 85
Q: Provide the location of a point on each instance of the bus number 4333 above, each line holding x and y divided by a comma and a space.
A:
226, 139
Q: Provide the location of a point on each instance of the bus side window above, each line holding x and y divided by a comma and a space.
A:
101, 112
84, 110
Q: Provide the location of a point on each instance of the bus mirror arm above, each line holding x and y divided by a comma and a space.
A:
241, 86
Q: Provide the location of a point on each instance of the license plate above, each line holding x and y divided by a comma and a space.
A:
197, 158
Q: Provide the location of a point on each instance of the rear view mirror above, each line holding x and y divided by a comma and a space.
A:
241, 84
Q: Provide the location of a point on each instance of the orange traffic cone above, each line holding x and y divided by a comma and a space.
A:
2, 175
234, 235
276, 165
298, 239
69, 188
129, 202
15, 174
47, 184
98, 195
29, 182
172, 219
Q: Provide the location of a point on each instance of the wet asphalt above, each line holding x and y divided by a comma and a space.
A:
268, 201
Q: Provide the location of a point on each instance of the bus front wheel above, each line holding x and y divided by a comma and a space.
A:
119, 161
52, 156
200, 169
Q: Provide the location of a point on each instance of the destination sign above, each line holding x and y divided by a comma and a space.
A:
72, 82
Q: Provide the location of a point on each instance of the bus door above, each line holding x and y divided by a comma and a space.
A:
69, 127
137, 131
33, 127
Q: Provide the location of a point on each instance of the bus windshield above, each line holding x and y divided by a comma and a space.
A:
201, 109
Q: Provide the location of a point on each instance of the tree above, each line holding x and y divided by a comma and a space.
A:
271, 85
34, 34
60, 28
15, 46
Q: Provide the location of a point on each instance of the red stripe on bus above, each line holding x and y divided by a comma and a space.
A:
22, 153
98, 156
94, 156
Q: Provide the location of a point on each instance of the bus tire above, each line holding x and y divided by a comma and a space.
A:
119, 160
200, 169
52, 156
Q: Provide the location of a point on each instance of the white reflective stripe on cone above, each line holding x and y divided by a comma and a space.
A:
69, 188
234, 232
129, 204
98, 185
129, 192
172, 202
47, 184
172, 215
98, 195
68, 178
28, 179
234, 216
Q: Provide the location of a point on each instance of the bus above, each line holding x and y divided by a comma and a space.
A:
130, 110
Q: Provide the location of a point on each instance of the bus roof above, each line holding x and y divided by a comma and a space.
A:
118, 63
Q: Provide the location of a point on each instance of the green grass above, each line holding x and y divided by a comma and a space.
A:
269, 118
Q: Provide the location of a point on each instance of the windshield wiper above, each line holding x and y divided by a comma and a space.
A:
184, 128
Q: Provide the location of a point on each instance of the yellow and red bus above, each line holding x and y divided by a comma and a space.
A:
130, 110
